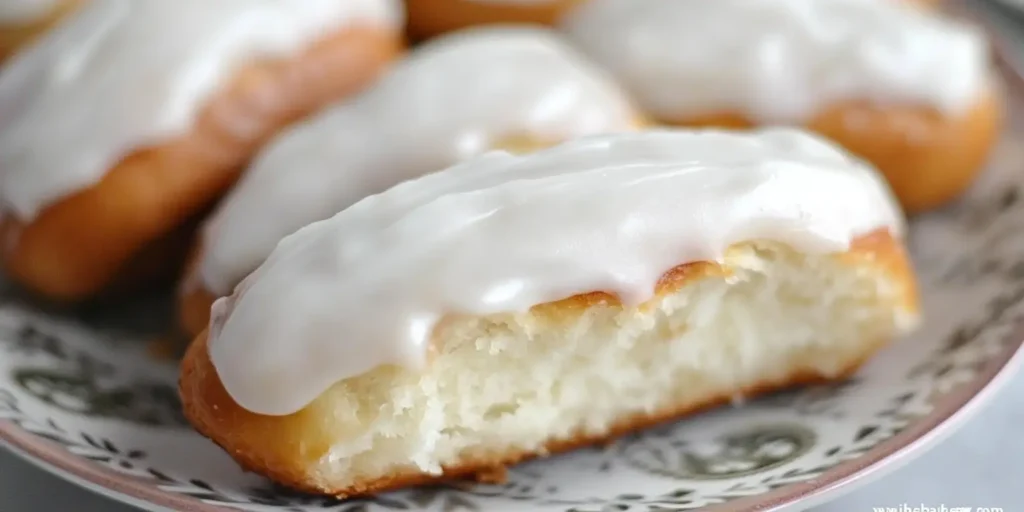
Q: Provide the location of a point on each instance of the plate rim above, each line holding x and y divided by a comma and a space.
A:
948, 413
80, 481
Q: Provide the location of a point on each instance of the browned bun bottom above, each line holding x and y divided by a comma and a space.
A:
929, 159
291, 449
13, 37
194, 300
158, 262
234, 428
79, 245
429, 18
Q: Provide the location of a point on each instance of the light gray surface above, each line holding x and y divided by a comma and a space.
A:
980, 466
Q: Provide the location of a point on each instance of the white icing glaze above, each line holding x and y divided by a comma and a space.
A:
503, 233
781, 60
123, 74
452, 99
25, 11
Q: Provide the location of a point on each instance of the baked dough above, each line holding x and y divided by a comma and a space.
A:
107, 157
493, 312
22, 21
460, 95
429, 18
928, 158
903, 87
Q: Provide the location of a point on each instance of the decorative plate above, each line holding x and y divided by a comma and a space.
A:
84, 396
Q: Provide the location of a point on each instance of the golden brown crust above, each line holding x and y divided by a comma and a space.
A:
928, 158
259, 443
428, 18
284, 448
194, 300
879, 248
157, 263
194, 310
13, 37
76, 247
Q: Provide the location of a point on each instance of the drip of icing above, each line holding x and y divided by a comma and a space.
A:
781, 60
25, 11
503, 233
123, 74
452, 99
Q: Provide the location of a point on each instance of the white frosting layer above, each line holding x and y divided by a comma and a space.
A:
25, 11
781, 60
452, 99
123, 74
502, 233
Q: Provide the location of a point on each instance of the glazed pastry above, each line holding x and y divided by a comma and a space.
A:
901, 87
429, 18
133, 116
515, 306
22, 21
457, 96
